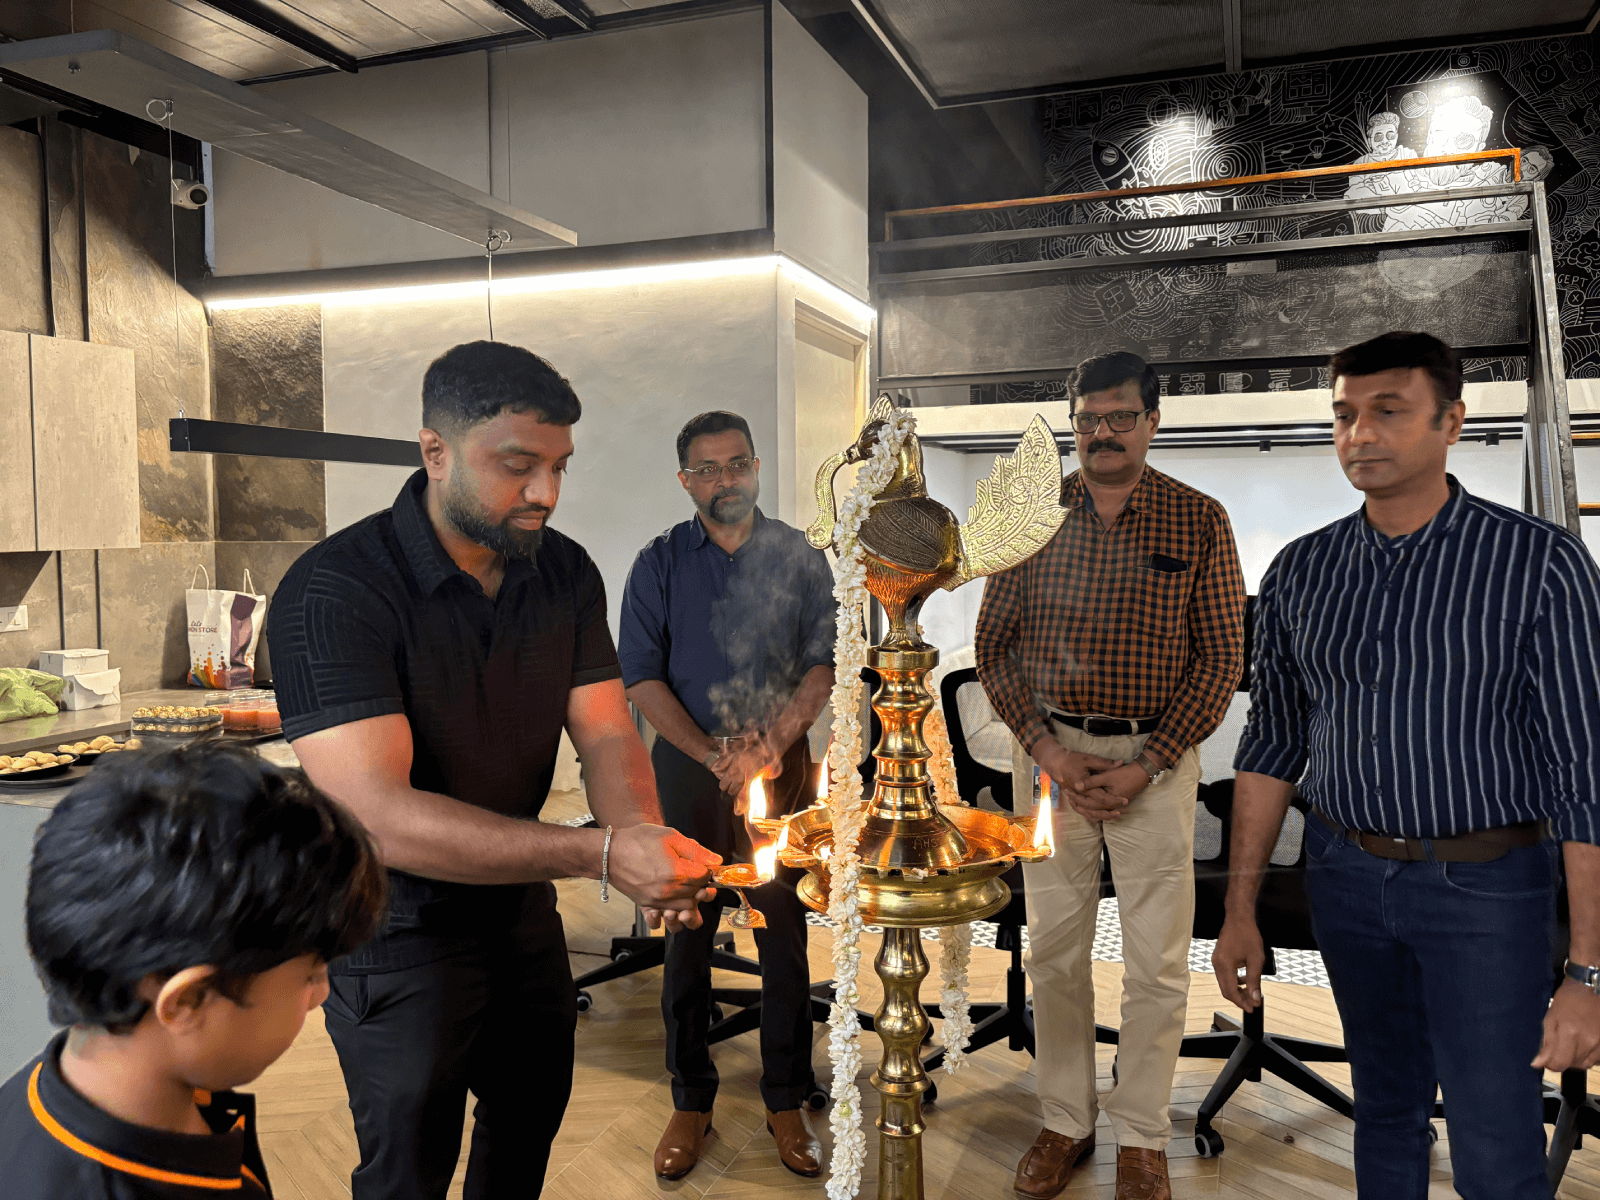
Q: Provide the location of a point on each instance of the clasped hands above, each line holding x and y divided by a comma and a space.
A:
1098, 789
665, 873
735, 768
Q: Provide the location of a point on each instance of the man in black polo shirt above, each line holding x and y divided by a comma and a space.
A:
727, 634
428, 659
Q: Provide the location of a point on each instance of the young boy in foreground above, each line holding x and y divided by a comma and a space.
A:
182, 909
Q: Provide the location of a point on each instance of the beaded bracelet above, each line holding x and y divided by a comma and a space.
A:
605, 869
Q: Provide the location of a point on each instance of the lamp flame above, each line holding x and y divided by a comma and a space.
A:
767, 860
783, 837
822, 776
1044, 832
758, 800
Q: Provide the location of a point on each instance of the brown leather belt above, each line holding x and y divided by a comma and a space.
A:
1485, 845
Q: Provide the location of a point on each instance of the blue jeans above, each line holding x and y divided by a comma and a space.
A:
1442, 975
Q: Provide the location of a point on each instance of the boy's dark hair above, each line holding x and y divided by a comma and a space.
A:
201, 856
716, 421
1108, 371
476, 381
1400, 350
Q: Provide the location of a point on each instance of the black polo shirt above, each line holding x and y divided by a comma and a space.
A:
54, 1144
378, 619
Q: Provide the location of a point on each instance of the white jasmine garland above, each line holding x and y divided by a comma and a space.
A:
955, 941
955, 952
847, 805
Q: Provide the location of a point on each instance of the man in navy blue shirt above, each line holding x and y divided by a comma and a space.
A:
727, 648
1427, 671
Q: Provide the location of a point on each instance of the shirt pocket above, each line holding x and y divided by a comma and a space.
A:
1161, 600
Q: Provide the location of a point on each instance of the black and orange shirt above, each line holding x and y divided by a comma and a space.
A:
1145, 619
55, 1144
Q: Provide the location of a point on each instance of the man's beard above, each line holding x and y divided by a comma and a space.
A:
731, 505
460, 507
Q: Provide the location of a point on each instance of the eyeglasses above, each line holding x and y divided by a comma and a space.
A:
1120, 421
739, 468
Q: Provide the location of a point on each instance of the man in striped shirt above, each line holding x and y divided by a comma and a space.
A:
1427, 671
1111, 654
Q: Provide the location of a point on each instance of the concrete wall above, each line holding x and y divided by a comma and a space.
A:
819, 158
114, 205
632, 136
643, 360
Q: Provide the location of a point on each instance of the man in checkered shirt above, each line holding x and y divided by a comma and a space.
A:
1112, 654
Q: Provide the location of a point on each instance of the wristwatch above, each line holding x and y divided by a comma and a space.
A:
1147, 764
1588, 976
709, 762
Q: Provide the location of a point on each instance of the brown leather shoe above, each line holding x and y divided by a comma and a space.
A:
797, 1145
1046, 1167
1142, 1174
683, 1143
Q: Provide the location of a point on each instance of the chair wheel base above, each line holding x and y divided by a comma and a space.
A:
1208, 1142
585, 1002
818, 1099
1433, 1134
931, 1096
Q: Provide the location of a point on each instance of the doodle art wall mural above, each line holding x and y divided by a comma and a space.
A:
1540, 96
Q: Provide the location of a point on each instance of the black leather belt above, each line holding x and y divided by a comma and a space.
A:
1485, 845
1098, 726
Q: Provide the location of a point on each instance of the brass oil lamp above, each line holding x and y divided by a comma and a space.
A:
922, 865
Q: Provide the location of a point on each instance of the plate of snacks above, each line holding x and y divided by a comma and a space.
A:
35, 765
87, 752
176, 720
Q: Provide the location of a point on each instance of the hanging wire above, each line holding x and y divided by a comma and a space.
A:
495, 241
165, 109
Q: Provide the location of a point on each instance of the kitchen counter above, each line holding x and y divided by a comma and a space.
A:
46, 733
85, 724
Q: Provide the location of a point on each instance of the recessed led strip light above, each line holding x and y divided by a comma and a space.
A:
619, 277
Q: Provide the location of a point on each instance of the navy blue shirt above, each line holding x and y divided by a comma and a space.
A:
731, 634
1433, 684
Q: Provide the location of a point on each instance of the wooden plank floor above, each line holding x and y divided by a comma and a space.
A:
1280, 1145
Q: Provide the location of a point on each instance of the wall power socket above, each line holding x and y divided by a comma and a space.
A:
14, 620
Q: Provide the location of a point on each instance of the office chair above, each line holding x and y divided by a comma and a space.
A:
1284, 917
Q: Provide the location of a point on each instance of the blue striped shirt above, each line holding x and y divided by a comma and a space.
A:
1432, 684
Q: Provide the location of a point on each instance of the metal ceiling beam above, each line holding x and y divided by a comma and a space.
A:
637, 18
525, 16
576, 13
262, 19
1232, 37
123, 73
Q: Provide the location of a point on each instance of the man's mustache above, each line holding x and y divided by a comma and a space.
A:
1100, 444
532, 510
730, 494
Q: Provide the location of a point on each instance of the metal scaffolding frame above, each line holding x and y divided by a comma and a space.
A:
1549, 484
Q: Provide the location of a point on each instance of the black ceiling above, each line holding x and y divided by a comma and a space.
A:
957, 52
253, 40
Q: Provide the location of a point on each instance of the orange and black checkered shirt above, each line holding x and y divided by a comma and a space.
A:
1143, 619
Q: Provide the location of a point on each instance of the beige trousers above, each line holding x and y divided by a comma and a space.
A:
1152, 861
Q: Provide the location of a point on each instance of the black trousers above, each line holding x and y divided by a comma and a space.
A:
693, 803
494, 1017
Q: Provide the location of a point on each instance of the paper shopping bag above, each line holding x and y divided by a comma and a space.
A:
224, 628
